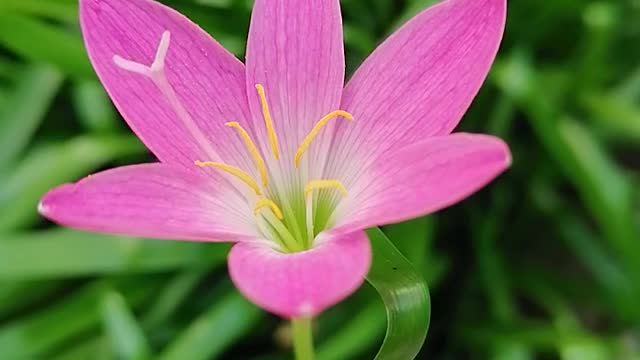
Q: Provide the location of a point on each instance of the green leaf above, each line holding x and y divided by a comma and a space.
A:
63, 10
95, 349
24, 110
415, 239
95, 110
34, 336
127, 338
614, 114
413, 9
210, 334
602, 185
406, 298
154, 318
175, 292
16, 296
50, 165
356, 336
67, 253
40, 42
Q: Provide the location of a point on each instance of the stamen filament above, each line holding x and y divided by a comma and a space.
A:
309, 217
262, 203
257, 158
316, 129
246, 178
288, 240
273, 139
324, 184
268, 231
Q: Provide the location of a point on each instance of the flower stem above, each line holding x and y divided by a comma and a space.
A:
302, 338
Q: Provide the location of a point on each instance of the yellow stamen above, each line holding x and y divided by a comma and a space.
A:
262, 203
257, 159
246, 178
324, 184
273, 139
316, 129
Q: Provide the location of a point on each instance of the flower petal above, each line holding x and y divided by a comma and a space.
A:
151, 200
207, 82
305, 283
423, 178
420, 81
295, 51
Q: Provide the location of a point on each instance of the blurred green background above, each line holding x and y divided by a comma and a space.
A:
542, 264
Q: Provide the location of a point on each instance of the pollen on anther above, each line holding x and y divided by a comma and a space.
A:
324, 184
253, 150
316, 129
238, 173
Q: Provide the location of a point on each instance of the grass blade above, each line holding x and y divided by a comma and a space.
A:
51, 165
210, 334
39, 42
23, 112
127, 338
66, 253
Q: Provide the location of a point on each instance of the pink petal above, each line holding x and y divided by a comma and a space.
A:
295, 51
419, 82
209, 83
423, 178
305, 283
151, 200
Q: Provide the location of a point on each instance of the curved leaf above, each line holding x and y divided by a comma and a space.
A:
406, 298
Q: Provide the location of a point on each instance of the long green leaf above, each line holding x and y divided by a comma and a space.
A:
406, 298
24, 110
175, 292
602, 185
127, 337
16, 296
38, 41
50, 165
63, 10
95, 110
210, 334
42, 332
356, 336
67, 253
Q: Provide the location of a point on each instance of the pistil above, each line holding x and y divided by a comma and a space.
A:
156, 72
282, 228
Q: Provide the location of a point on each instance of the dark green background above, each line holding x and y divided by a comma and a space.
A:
542, 264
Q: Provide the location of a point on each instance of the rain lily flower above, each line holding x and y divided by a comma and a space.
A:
276, 154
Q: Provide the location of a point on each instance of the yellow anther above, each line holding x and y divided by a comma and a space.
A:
257, 158
324, 184
264, 202
246, 178
273, 139
316, 129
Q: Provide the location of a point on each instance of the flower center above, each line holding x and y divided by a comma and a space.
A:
269, 217
293, 229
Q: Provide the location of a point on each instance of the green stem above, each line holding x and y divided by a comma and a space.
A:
302, 338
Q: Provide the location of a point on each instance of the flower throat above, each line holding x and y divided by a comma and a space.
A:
295, 228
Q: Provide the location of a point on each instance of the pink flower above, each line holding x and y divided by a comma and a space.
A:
274, 154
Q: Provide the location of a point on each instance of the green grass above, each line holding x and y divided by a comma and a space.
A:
542, 264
